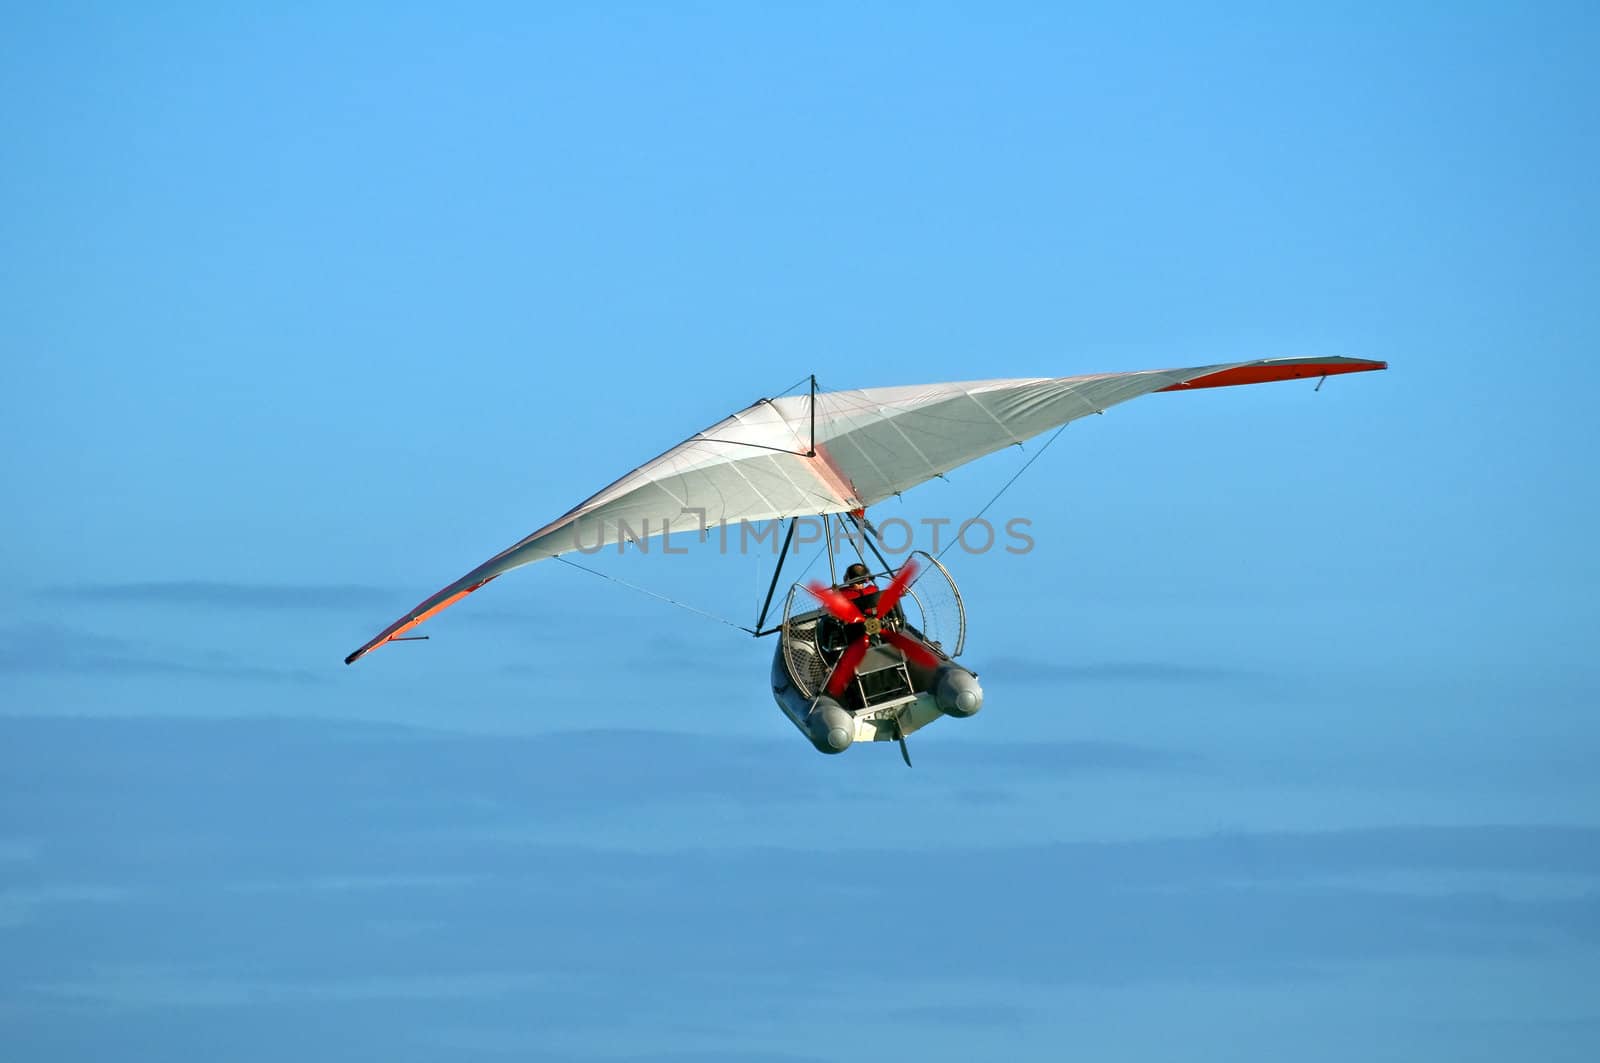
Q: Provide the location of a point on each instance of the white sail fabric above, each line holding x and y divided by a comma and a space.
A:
841, 451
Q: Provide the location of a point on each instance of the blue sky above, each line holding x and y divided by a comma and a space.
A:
1290, 730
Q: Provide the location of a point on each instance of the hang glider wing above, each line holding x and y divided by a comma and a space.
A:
870, 444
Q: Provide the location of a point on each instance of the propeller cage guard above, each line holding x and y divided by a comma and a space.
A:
934, 611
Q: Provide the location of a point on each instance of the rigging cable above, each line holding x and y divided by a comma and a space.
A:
793, 386
1005, 487
651, 593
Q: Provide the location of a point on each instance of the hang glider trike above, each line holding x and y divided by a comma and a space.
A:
879, 663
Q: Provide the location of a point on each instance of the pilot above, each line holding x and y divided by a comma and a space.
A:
859, 588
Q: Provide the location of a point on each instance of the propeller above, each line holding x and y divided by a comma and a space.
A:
867, 626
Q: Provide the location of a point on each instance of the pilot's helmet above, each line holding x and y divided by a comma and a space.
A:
857, 573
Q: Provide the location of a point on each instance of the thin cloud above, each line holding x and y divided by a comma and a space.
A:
984, 1016
375, 773
221, 595
713, 1056
1029, 670
52, 650
1066, 758
389, 830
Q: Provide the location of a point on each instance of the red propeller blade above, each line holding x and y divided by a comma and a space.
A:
845, 670
896, 588
837, 604
914, 650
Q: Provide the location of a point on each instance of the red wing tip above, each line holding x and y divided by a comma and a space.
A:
1288, 369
